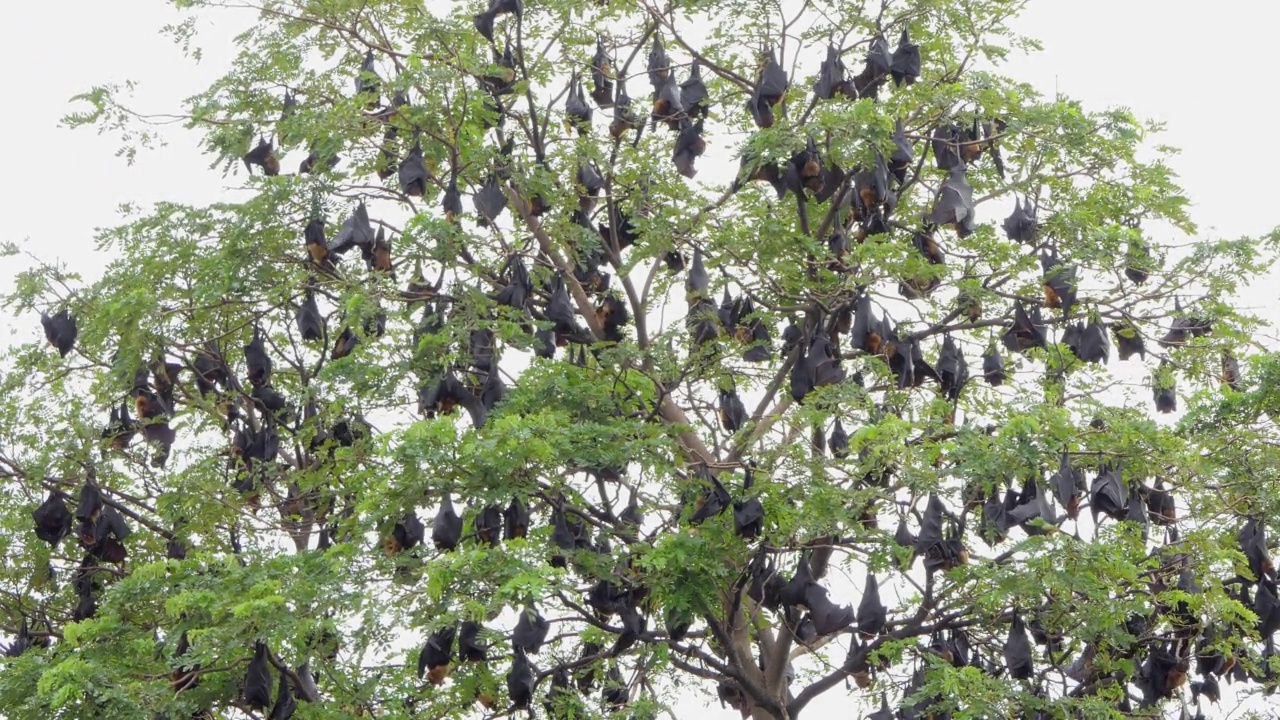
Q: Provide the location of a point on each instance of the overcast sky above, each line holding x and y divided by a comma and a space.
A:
1191, 65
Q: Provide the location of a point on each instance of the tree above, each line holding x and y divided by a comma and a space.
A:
494, 460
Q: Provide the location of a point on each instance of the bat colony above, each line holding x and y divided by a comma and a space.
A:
264, 424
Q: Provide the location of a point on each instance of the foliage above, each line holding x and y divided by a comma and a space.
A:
313, 528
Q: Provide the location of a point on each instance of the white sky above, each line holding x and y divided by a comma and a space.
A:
1192, 65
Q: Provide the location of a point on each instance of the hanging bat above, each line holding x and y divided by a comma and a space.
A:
60, 330
1164, 388
771, 86
515, 520
489, 202
693, 93
839, 441
520, 681
872, 614
577, 112
993, 370
561, 537
954, 204
903, 152
356, 232
624, 116
827, 617
733, 414
659, 64
264, 156
1106, 495
413, 172
904, 65
1137, 262
831, 75
368, 83
258, 680
530, 631
1059, 283
407, 534
953, 371
602, 76
446, 529
1094, 345
470, 648
1021, 225
689, 147
436, 655
286, 703
310, 324
1230, 370
1128, 341
1027, 330
1017, 650
713, 500
946, 148
52, 519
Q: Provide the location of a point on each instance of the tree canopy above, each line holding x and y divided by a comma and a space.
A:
757, 351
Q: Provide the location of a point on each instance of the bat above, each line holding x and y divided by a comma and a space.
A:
488, 525
1137, 512
264, 156
659, 64
327, 159
1137, 262
624, 115
286, 704
413, 172
1106, 495
827, 617
436, 654
531, 631
823, 359
1021, 225
470, 648
806, 169
831, 76
310, 324
693, 93
316, 244
520, 681
590, 183
885, 712
1128, 341
258, 680
1027, 330
713, 500
561, 537
515, 520
368, 83
1252, 538
748, 517
1164, 388
615, 692
446, 529
60, 330
1230, 370
120, 428
1017, 650
770, 87
733, 414
796, 590
689, 147
1161, 508
668, 107
903, 152
954, 204
490, 201
872, 614
516, 292
407, 534
953, 371
577, 112
52, 519
451, 201
904, 65
1059, 283
1094, 345
560, 311
345, 344
602, 76
612, 315
946, 148
378, 255
356, 231
1068, 484
839, 441
697, 282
